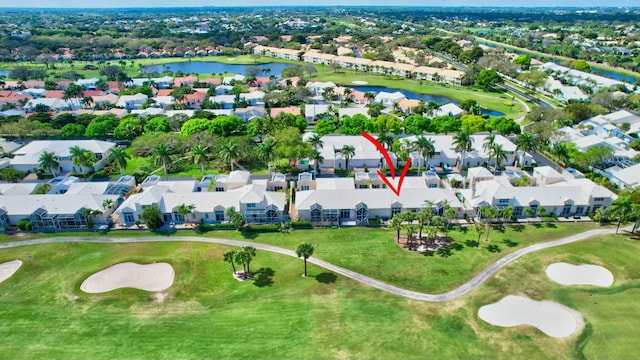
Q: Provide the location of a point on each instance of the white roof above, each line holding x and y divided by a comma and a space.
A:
629, 176
622, 116
351, 111
9, 146
25, 205
395, 96
479, 172
30, 153
449, 109
364, 149
547, 171
17, 188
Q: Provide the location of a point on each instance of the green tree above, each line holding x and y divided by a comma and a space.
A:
499, 154
289, 145
162, 156
580, 65
622, 207
426, 148
266, 150
523, 60
152, 217
118, 157
527, 142
200, 156
304, 250
81, 158
230, 257
49, 161
347, 152
186, 210
396, 224
234, 217
230, 152
463, 142
488, 78
479, 227
72, 131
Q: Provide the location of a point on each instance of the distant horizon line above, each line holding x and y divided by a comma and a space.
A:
332, 6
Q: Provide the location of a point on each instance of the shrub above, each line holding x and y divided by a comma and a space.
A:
24, 224
301, 225
262, 228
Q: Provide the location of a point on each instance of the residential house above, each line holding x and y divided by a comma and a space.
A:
27, 157
130, 102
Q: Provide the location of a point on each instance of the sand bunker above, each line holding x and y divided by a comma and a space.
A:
8, 269
151, 277
567, 274
549, 317
359, 82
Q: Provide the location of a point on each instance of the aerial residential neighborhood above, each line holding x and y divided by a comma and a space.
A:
288, 182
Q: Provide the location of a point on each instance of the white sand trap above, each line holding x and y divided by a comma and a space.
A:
549, 317
151, 277
8, 269
231, 59
359, 82
567, 274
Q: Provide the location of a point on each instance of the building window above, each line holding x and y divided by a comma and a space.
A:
316, 215
219, 215
166, 217
304, 187
277, 188
345, 213
432, 186
395, 210
363, 186
362, 213
251, 205
534, 209
579, 210
128, 218
219, 189
503, 202
598, 199
517, 211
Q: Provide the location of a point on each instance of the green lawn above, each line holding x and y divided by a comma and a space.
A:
374, 253
207, 314
490, 100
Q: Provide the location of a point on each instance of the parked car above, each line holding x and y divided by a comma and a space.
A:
446, 167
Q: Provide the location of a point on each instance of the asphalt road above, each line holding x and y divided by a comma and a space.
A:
539, 102
448, 296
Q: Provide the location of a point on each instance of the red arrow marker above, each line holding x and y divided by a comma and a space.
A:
387, 158
404, 173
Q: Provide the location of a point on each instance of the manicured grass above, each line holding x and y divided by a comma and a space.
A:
373, 251
611, 314
207, 314
489, 100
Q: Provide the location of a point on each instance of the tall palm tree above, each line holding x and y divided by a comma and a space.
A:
426, 148
499, 154
266, 150
347, 94
118, 156
81, 158
396, 224
162, 156
622, 206
385, 140
489, 141
200, 156
317, 158
304, 250
316, 141
49, 161
230, 257
348, 152
526, 141
230, 152
463, 143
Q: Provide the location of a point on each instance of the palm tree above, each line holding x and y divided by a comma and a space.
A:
161, 156
369, 96
266, 150
499, 154
186, 210
463, 143
561, 151
410, 229
81, 158
348, 152
423, 217
396, 224
49, 161
527, 142
479, 227
385, 140
316, 141
107, 204
347, 94
317, 158
200, 156
118, 156
489, 141
250, 252
489, 213
426, 148
622, 206
230, 152
449, 214
230, 257
304, 250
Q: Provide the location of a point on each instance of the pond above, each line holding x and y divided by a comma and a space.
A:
202, 67
4, 72
414, 95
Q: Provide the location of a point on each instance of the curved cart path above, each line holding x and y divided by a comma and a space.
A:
450, 295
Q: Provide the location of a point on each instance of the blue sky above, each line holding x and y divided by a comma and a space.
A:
174, 3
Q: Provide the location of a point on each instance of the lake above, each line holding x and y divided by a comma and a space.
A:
414, 95
202, 67
4, 72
